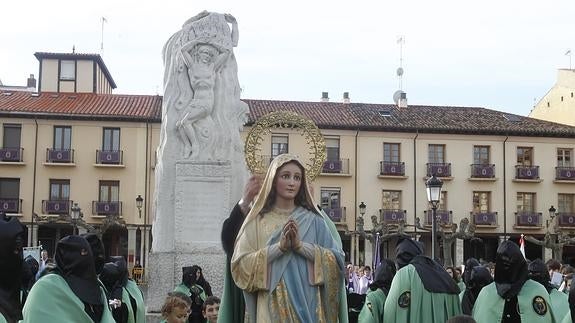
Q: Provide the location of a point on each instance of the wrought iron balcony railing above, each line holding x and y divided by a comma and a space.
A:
391, 168
445, 217
11, 154
484, 218
106, 208
483, 170
565, 173
336, 214
392, 215
336, 166
59, 155
526, 172
439, 169
528, 219
11, 205
56, 206
112, 157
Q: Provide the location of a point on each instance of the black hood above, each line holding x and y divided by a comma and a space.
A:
122, 267
469, 265
76, 265
434, 278
538, 272
510, 269
111, 277
405, 250
12, 237
479, 277
189, 276
383, 276
98, 251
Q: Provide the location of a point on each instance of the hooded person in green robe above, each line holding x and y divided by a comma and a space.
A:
118, 286
559, 301
192, 289
12, 237
421, 291
512, 297
570, 316
475, 279
372, 311
72, 292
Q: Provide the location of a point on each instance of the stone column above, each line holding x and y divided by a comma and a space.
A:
368, 259
458, 261
32, 235
131, 246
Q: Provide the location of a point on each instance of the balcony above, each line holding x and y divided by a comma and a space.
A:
528, 173
566, 174
528, 220
13, 206
391, 215
109, 157
336, 214
445, 217
486, 219
439, 169
391, 168
336, 166
566, 220
100, 208
483, 171
11, 155
59, 156
56, 206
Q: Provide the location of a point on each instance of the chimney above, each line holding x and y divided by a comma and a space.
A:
346, 97
324, 97
31, 83
402, 100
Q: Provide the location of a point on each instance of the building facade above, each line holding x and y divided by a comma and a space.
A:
558, 103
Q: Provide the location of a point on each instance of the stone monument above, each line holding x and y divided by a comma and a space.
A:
200, 171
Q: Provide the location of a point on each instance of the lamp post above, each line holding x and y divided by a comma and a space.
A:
75, 213
433, 185
552, 211
139, 202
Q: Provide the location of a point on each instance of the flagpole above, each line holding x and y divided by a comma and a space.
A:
102, 39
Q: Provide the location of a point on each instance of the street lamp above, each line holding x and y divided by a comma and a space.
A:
433, 185
139, 202
362, 208
552, 211
75, 214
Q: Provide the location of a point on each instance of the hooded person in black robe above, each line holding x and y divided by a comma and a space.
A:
477, 278
12, 237
559, 301
111, 278
98, 251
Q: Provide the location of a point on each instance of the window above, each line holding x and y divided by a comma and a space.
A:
391, 153
525, 202
564, 157
481, 202
62, 138
11, 138
525, 156
109, 191
391, 200
67, 70
9, 188
566, 203
436, 154
111, 139
330, 198
481, 155
279, 145
332, 148
59, 189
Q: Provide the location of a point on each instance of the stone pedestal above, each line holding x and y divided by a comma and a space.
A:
201, 204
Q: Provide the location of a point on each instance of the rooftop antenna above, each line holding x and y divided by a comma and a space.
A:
400, 42
73, 49
568, 53
104, 20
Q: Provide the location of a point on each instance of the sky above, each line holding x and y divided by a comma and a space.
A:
501, 55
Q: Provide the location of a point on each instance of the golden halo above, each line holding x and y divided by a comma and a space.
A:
285, 120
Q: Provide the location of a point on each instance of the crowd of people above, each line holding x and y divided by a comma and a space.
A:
285, 263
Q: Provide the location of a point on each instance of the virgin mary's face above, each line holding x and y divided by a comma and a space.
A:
288, 183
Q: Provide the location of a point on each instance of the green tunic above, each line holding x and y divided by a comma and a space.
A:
182, 288
131, 289
409, 301
560, 304
52, 301
461, 286
372, 311
489, 305
567, 318
2, 319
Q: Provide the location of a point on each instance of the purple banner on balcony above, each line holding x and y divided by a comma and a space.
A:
485, 218
110, 157
481, 171
107, 207
10, 154
528, 219
567, 220
442, 214
9, 205
59, 155
527, 172
332, 166
397, 169
393, 216
334, 214
566, 173
440, 170
57, 206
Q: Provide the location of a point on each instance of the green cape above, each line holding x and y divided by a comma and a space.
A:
372, 311
131, 289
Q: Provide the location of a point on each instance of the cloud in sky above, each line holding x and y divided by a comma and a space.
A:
495, 54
